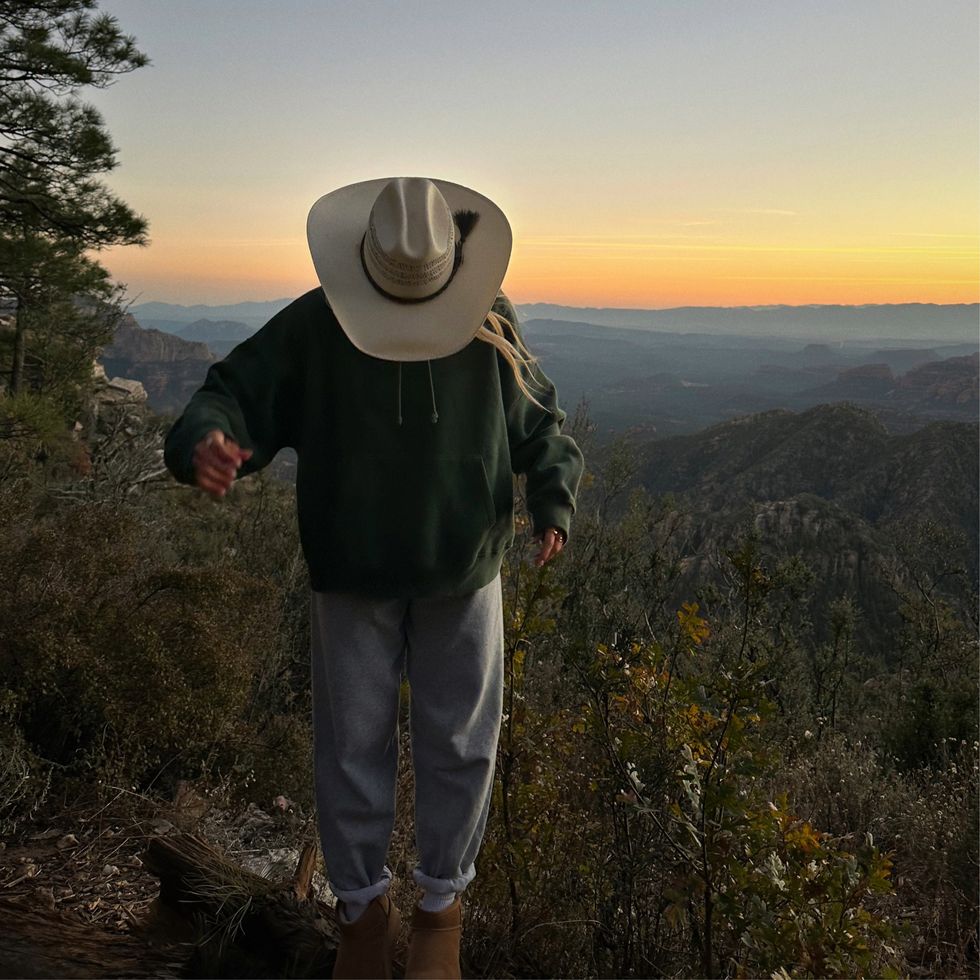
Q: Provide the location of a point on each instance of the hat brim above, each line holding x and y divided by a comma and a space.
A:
395, 331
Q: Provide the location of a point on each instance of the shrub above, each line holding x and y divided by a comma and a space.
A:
642, 765
116, 659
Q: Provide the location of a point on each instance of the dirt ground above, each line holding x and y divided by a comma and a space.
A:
76, 874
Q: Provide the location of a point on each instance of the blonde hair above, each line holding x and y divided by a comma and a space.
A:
495, 331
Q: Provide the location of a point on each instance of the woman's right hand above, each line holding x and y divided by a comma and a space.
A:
217, 459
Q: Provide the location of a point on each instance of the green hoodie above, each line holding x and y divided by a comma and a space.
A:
404, 484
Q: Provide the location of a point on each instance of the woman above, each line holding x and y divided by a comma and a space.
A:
406, 389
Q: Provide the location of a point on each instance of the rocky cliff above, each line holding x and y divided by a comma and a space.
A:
171, 369
953, 381
942, 389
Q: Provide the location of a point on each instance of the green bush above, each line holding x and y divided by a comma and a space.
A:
116, 658
634, 831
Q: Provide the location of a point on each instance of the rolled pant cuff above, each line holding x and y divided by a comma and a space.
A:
361, 896
444, 886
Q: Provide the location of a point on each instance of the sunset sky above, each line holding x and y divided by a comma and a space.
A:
654, 153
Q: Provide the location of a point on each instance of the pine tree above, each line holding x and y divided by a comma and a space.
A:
53, 150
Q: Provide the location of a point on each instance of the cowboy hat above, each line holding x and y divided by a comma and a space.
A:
409, 266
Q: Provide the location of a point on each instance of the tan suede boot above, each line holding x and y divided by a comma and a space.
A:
365, 946
433, 944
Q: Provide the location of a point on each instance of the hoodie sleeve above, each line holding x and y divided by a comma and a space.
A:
552, 462
249, 396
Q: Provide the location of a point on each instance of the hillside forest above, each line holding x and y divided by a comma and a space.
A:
740, 732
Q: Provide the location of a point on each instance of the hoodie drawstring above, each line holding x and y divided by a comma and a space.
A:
432, 390
399, 392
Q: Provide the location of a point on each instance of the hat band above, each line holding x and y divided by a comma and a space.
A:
457, 262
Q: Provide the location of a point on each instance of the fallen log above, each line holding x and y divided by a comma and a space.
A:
38, 942
212, 919
246, 925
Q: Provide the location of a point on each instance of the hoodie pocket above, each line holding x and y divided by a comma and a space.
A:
408, 513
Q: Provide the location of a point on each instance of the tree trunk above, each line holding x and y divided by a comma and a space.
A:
17, 369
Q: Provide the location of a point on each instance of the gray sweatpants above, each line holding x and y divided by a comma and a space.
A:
451, 649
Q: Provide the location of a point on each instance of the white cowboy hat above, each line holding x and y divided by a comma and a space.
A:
409, 266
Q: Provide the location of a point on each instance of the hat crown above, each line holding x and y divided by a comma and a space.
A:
410, 243
412, 221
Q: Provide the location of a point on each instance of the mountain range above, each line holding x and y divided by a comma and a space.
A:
656, 383
830, 484
827, 448
947, 323
660, 382
220, 335
171, 316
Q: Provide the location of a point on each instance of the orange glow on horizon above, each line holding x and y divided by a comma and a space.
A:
647, 273
640, 272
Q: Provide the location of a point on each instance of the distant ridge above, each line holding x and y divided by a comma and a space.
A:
252, 313
832, 322
211, 330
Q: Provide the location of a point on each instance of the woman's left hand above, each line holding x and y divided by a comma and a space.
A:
551, 542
